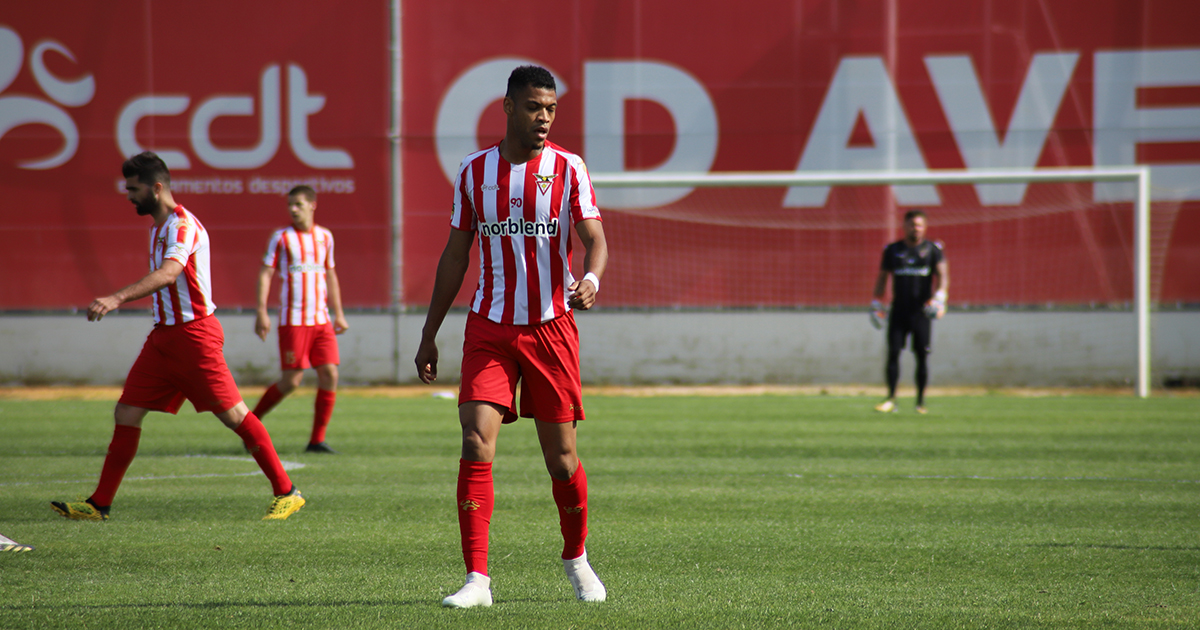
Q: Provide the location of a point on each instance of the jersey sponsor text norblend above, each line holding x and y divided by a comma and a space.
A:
519, 227
305, 268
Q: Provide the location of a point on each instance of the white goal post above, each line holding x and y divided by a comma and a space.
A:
1137, 174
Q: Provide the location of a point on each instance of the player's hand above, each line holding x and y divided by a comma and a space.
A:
583, 294
935, 309
262, 325
340, 325
427, 358
102, 306
878, 314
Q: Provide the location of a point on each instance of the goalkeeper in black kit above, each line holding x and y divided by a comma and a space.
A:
920, 279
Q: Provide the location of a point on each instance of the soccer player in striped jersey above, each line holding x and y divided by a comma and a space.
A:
520, 197
182, 358
920, 281
303, 253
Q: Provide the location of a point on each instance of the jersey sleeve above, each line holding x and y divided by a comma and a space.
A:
182, 240
328, 248
462, 213
583, 194
271, 258
885, 264
939, 256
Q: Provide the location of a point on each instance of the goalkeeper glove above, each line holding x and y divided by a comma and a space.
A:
936, 308
878, 314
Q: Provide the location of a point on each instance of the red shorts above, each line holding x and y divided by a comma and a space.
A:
178, 362
302, 347
544, 357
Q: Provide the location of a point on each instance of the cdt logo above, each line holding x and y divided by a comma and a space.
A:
300, 105
17, 110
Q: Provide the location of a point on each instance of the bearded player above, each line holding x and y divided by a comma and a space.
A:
183, 357
520, 196
920, 281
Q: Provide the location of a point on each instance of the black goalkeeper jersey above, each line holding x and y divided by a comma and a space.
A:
912, 271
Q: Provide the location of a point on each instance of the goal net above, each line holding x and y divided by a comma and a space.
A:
751, 241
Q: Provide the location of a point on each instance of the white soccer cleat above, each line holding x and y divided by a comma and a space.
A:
587, 586
476, 592
886, 406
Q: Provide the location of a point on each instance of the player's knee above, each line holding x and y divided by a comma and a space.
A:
290, 381
476, 447
562, 467
327, 377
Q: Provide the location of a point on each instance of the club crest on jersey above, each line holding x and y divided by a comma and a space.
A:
544, 181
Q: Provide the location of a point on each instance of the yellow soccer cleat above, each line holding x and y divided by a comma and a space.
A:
82, 511
922, 410
284, 505
886, 406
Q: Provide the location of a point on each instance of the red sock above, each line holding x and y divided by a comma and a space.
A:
321, 414
121, 450
269, 399
475, 500
258, 442
571, 498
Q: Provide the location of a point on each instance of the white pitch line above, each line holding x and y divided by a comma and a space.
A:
286, 466
983, 478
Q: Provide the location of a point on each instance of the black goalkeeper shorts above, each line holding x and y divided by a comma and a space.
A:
903, 324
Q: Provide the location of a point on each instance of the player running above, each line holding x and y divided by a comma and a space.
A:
521, 196
920, 281
182, 357
303, 253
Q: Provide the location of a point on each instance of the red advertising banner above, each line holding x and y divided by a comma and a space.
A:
298, 92
811, 85
243, 101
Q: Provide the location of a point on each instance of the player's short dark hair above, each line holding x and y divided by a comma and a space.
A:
148, 168
529, 76
914, 213
307, 191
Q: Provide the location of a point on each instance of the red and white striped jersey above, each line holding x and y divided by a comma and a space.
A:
183, 239
523, 214
302, 259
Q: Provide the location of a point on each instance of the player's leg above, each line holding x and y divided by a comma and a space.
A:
323, 354
258, 443
203, 376
569, 488
287, 383
896, 333
487, 390
293, 357
475, 497
147, 388
551, 393
922, 333
327, 377
127, 431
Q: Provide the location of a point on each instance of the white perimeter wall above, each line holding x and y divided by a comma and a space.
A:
970, 348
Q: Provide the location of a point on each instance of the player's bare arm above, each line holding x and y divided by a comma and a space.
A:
943, 278
583, 291
452, 267
152, 282
340, 325
936, 308
262, 321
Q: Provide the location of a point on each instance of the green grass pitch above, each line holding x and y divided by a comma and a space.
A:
773, 511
